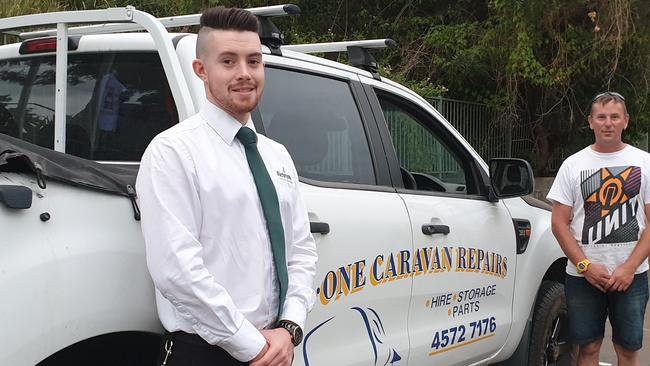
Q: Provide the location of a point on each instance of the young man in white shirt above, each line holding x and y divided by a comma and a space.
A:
601, 202
211, 237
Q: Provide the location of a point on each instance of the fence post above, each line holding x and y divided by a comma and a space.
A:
438, 103
509, 139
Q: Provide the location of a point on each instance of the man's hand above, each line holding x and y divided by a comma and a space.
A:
262, 352
280, 349
598, 276
621, 279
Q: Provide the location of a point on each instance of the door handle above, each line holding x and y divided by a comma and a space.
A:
319, 227
429, 229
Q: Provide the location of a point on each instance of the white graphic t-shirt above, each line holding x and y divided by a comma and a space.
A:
608, 193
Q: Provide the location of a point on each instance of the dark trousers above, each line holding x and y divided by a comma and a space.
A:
191, 350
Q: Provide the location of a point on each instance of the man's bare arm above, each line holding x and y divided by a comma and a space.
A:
597, 274
623, 275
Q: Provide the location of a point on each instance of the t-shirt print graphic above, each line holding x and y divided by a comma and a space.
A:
610, 203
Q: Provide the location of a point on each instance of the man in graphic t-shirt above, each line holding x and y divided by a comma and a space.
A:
601, 202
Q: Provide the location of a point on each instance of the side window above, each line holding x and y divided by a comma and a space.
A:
317, 120
427, 163
117, 102
27, 99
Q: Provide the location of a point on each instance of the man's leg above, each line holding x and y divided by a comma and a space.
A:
587, 310
627, 357
627, 312
190, 350
588, 354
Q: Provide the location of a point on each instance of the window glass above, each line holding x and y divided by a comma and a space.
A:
426, 162
117, 102
318, 122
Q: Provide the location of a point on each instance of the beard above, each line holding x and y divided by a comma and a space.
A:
242, 105
235, 106
234, 103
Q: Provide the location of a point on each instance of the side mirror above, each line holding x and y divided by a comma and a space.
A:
16, 197
511, 178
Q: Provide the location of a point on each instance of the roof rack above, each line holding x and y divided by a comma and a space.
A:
358, 53
269, 33
126, 19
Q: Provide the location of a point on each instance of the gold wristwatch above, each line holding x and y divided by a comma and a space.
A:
583, 266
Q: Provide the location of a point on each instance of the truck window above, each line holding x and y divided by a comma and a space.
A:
117, 102
427, 161
318, 122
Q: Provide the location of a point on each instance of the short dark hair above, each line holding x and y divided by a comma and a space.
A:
229, 19
222, 18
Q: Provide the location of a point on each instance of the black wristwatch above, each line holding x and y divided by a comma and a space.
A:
294, 330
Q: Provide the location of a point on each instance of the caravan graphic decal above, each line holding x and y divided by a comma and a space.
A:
369, 324
611, 199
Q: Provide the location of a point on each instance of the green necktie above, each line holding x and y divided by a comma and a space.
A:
270, 205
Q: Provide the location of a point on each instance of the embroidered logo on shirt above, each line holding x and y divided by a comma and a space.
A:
611, 200
284, 176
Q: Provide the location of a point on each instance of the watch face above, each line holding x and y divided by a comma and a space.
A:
297, 336
582, 266
294, 330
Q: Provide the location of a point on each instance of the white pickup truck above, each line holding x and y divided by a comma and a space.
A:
427, 255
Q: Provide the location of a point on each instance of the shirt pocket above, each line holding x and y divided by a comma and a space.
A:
284, 182
284, 192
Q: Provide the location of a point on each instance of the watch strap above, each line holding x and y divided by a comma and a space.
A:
294, 331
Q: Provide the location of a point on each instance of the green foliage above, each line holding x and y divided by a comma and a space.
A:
536, 64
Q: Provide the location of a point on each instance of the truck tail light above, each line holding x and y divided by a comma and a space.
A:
42, 45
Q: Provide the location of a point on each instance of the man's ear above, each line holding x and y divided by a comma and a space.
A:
199, 69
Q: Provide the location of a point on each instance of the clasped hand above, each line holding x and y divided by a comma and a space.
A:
619, 280
278, 350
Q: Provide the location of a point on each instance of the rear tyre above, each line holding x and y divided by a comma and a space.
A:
550, 340
117, 349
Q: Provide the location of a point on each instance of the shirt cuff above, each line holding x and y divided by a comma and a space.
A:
245, 344
294, 310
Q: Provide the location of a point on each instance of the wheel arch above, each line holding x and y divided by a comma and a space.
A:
129, 348
556, 272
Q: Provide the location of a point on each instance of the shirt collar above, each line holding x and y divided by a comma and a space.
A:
225, 125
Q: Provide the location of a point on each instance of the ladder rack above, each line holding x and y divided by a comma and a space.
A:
341, 46
358, 53
167, 22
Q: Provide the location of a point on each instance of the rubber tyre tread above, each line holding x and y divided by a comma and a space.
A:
110, 350
550, 302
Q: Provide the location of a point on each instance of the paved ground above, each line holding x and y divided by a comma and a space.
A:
607, 354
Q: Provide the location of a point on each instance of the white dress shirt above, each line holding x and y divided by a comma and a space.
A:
207, 245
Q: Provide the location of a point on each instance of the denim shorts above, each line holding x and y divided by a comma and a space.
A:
588, 309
